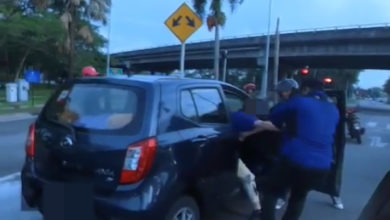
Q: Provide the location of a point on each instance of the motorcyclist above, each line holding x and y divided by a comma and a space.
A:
306, 155
286, 89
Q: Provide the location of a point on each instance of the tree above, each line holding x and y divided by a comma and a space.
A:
23, 35
74, 16
32, 38
216, 19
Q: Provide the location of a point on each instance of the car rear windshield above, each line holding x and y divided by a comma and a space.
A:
97, 107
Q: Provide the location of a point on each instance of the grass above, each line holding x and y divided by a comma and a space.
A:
37, 98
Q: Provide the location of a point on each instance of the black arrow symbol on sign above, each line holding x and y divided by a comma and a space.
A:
190, 22
176, 22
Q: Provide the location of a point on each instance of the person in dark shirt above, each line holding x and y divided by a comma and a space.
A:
308, 123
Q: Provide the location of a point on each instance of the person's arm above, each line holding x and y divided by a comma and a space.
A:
278, 117
260, 126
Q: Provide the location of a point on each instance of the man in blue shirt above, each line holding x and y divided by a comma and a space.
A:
310, 121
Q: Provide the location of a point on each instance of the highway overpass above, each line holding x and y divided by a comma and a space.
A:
360, 47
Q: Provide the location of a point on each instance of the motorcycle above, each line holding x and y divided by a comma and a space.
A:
355, 130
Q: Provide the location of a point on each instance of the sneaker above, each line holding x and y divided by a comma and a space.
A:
256, 215
337, 203
279, 204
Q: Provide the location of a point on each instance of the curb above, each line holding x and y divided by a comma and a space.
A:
16, 117
378, 110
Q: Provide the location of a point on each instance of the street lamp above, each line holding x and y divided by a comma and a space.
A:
264, 80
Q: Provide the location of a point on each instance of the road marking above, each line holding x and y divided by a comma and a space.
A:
10, 177
372, 124
377, 142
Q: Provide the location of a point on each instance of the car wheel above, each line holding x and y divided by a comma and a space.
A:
185, 208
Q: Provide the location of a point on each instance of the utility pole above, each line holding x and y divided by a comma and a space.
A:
264, 80
216, 50
276, 58
108, 43
224, 56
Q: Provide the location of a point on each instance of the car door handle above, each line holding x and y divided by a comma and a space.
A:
201, 140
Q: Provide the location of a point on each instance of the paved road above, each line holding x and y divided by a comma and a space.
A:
373, 105
12, 138
365, 165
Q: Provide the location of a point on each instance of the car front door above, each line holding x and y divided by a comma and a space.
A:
333, 183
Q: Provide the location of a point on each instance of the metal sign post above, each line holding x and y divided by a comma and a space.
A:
182, 59
183, 23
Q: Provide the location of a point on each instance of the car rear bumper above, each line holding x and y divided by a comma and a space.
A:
138, 203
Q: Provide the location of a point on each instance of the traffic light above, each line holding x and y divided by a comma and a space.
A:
328, 81
305, 71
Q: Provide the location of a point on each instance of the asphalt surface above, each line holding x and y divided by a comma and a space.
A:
365, 165
12, 138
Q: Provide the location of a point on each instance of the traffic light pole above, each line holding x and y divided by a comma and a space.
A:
264, 80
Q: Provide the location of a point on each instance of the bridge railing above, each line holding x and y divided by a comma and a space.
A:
304, 30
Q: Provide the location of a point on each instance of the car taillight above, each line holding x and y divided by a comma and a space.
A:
138, 161
30, 142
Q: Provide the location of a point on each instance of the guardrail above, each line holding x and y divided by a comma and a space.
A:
306, 30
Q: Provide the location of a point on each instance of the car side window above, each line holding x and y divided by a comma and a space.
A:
234, 102
210, 106
187, 105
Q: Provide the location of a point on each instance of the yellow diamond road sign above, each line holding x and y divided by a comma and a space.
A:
183, 22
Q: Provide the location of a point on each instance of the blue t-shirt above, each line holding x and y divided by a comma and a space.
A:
242, 122
310, 126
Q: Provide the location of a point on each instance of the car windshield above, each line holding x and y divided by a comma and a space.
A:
98, 107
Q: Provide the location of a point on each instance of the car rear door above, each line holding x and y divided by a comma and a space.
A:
211, 134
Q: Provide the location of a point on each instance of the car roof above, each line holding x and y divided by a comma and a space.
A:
152, 79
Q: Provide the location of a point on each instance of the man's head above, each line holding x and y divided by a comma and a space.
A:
286, 88
311, 85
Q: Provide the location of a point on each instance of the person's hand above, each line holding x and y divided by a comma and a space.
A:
244, 135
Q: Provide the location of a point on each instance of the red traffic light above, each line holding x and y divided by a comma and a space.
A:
328, 80
305, 71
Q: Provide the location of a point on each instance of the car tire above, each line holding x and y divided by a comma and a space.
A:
185, 205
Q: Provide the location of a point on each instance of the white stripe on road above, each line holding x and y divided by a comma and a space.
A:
14, 176
372, 124
377, 142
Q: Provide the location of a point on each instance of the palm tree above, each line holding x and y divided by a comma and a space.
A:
216, 19
73, 13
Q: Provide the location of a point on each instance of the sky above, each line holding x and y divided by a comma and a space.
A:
140, 24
